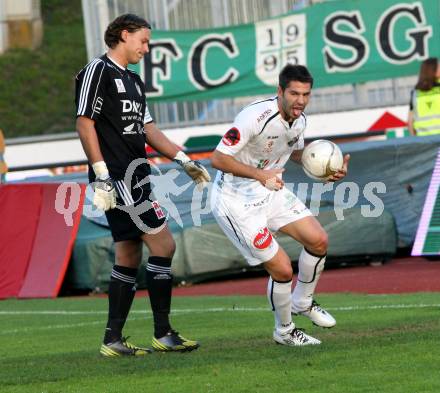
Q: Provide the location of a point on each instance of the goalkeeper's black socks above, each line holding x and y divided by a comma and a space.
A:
160, 283
121, 292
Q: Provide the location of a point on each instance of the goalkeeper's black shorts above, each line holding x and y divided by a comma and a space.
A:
137, 212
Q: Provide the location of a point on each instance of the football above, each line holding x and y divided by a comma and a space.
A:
321, 159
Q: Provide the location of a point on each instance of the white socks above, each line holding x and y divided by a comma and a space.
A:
278, 294
310, 268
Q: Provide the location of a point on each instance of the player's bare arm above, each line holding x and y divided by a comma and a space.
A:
228, 164
296, 156
104, 196
89, 139
158, 141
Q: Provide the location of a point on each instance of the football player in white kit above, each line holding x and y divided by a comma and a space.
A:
249, 201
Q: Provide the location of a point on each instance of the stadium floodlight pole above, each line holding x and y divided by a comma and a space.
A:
96, 18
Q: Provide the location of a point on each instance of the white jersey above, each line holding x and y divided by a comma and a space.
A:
261, 138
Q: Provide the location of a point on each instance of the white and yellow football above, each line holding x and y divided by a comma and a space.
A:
321, 159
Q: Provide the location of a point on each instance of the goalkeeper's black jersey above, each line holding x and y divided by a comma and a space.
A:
114, 97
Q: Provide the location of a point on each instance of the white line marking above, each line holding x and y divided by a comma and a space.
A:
218, 309
65, 326
148, 314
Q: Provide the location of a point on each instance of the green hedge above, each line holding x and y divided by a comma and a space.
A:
37, 87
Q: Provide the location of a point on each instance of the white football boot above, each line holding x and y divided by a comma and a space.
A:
317, 315
294, 338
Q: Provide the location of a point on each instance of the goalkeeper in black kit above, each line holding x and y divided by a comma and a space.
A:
114, 124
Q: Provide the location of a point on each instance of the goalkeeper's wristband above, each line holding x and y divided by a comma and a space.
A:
106, 185
101, 171
181, 158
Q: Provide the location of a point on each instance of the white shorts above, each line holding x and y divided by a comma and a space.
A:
249, 224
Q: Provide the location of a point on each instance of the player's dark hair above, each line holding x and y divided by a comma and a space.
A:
427, 74
297, 73
129, 22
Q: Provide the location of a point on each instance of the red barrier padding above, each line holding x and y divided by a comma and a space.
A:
19, 215
53, 243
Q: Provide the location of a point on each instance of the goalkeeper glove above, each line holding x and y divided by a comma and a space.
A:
104, 197
194, 169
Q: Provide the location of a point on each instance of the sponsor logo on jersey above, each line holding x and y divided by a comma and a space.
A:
133, 128
120, 86
131, 106
273, 137
262, 163
129, 129
263, 239
266, 113
269, 147
157, 209
98, 105
232, 137
138, 118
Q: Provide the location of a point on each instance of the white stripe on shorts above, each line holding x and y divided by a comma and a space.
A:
124, 192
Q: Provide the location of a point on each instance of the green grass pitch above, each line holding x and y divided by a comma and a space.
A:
382, 343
